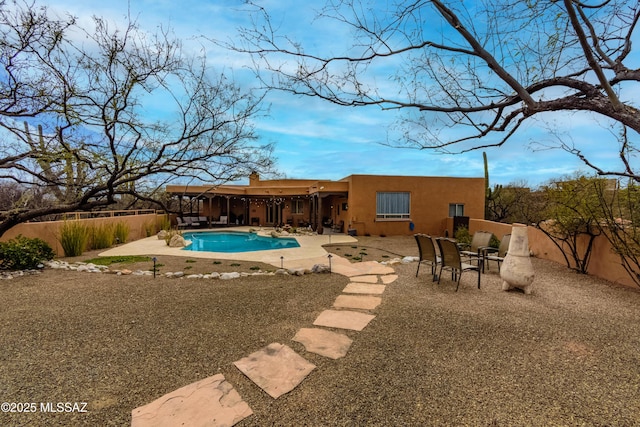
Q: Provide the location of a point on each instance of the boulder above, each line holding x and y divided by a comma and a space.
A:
162, 234
320, 268
177, 241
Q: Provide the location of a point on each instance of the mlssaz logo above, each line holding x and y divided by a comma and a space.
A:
63, 407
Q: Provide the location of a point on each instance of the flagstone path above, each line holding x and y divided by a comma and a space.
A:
276, 368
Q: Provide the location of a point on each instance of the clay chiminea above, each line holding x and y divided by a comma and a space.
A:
517, 270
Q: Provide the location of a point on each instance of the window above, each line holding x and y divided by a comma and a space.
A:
456, 209
297, 206
392, 205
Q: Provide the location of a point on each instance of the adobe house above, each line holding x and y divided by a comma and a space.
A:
364, 204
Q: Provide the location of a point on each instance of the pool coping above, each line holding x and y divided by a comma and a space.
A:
309, 253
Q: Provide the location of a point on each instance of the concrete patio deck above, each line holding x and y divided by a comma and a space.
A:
308, 254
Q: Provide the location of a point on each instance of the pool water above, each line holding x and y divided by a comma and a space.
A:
236, 242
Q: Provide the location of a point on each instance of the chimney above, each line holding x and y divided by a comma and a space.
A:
253, 178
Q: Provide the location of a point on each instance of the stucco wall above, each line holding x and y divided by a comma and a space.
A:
50, 230
605, 263
430, 199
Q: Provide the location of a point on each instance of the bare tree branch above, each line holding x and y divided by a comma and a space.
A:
75, 118
483, 68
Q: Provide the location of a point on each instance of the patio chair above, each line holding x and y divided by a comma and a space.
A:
479, 244
221, 221
451, 260
501, 253
337, 228
427, 250
181, 223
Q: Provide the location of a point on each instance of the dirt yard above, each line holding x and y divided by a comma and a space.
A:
565, 355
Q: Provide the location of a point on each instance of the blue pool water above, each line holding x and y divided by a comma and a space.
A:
236, 242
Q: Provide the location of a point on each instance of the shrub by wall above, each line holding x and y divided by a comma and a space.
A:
49, 230
22, 253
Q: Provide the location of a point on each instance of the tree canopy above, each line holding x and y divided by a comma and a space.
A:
484, 68
94, 115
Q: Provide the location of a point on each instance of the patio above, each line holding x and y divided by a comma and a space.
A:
309, 253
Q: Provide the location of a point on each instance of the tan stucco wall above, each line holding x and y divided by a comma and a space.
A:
430, 199
605, 263
49, 230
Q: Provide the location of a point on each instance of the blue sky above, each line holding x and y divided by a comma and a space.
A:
315, 139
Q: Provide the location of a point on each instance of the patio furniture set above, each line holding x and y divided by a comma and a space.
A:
447, 254
199, 222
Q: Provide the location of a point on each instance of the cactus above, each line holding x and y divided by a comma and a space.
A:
70, 178
490, 195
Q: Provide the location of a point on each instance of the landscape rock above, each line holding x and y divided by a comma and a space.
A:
162, 234
227, 276
296, 271
320, 268
177, 241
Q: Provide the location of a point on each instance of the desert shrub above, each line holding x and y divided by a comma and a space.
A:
170, 234
149, 228
163, 223
22, 253
463, 236
121, 232
101, 236
73, 238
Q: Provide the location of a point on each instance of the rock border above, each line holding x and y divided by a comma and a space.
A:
103, 269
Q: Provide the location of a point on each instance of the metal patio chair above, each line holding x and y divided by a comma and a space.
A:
427, 250
451, 260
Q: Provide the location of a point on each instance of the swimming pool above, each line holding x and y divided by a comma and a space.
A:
236, 242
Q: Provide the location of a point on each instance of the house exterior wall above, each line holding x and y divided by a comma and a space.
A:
351, 200
429, 204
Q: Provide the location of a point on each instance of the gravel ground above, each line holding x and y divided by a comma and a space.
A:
566, 355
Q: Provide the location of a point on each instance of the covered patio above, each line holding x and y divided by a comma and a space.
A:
273, 203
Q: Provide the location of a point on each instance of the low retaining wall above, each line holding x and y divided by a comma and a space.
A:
50, 230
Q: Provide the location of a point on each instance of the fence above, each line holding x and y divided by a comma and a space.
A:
140, 223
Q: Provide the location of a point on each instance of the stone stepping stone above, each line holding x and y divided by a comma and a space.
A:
325, 343
373, 267
276, 369
343, 319
365, 279
361, 268
210, 402
364, 288
390, 278
357, 301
